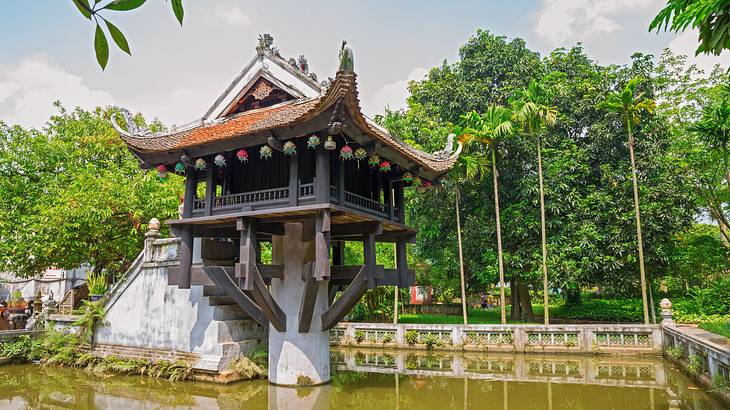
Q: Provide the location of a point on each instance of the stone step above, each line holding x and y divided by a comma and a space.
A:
220, 300
229, 312
239, 330
213, 291
236, 349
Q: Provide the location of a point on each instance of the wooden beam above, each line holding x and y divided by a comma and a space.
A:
401, 262
342, 306
271, 271
223, 279
332, 293
275, 144
266, 302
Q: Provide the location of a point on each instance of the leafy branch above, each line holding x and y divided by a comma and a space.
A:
92, 12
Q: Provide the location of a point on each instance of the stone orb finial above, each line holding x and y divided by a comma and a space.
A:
665, 304
154, 224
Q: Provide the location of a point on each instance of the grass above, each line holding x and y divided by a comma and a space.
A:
720, 327
476, 316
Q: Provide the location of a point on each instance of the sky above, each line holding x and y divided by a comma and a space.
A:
175, 73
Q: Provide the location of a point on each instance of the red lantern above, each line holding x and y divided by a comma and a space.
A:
242, 155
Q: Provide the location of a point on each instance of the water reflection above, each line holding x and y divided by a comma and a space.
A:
369, 379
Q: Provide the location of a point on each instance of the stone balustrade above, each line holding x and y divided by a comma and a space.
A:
579, 339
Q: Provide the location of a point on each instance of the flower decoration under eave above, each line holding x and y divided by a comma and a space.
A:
360, 153
345, 152
384, 166
162, 172
374, 160
416, 182
289, 148
220, 161
180, 167
200, 164
265, 152
313, 141
407, 177
242, 155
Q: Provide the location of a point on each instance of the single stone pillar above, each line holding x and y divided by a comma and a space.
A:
290, 398
666, 306
297, 358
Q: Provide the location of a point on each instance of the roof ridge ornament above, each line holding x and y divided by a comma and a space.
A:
347, 61
132, 127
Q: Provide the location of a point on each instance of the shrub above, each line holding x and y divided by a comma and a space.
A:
431, 340
92, 313
359, 336
676, 351
96, 282
387, 338
720, 384
695, 365
411, 337
247, 369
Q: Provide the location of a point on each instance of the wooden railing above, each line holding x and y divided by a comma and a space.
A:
258, 197
199, 204
306, 191
366, 204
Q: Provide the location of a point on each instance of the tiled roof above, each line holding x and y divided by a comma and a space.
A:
343, 87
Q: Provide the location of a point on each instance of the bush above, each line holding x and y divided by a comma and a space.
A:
411, 337
96, 282
602, 310
359, 336
713, 299
695, 365
676, 351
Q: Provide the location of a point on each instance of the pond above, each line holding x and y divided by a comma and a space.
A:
371, 379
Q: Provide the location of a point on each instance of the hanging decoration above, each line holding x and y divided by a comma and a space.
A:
416, 182
289, 148
162, 172
313, 141
180, 167
374, 160
200, 164
426, 184
242, 155
330, 144
345, 152
384, 166
220, 161
407, 177
361, 153
265, 152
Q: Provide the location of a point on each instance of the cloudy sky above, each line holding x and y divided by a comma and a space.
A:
175, 73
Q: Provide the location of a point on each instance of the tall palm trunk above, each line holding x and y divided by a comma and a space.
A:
544, 234
461, 257
638, 221
495, 176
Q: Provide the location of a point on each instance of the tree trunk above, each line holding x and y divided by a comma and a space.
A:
461, 258
515, 310
522, 294
500, 258
546, 301
638, 223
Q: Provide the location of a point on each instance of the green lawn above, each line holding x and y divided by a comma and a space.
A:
476, 316
719, 327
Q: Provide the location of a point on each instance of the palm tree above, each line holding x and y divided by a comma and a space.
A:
534, 112
487, 130
630, 104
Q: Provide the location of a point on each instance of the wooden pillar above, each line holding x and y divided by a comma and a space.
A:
368, 242
388, 196
293, 180
209, 189
341, 183
401, 261
247, 253
377, 183
322, 174
338, 253
322, 245
186, 234
399, 201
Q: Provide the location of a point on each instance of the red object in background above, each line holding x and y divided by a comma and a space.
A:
421, 295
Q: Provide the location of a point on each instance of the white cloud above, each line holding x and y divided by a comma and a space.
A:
28, 89
686, 43
563, 22
394, 95
233, 16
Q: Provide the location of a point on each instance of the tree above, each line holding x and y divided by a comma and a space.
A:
630, 105
92, 12
534, 111
76, 196
711, 17
488, 129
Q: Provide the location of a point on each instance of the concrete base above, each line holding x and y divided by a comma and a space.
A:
297, 359
303, 398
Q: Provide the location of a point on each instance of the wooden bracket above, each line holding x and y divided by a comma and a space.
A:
275, 144
322, 245
346, 302
309, 299
222, 278
266, 302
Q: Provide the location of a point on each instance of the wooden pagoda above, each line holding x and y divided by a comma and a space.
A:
277, 148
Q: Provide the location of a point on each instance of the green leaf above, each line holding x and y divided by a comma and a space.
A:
177, 8
118, 37
124, 5
101, 46
83, 6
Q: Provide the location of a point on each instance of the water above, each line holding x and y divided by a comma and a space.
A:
368, 379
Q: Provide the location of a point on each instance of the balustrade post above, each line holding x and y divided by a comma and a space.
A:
666, 306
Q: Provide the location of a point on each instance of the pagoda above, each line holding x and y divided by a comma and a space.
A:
281, 158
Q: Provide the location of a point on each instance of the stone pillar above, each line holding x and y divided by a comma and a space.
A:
289, 398
297, 358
